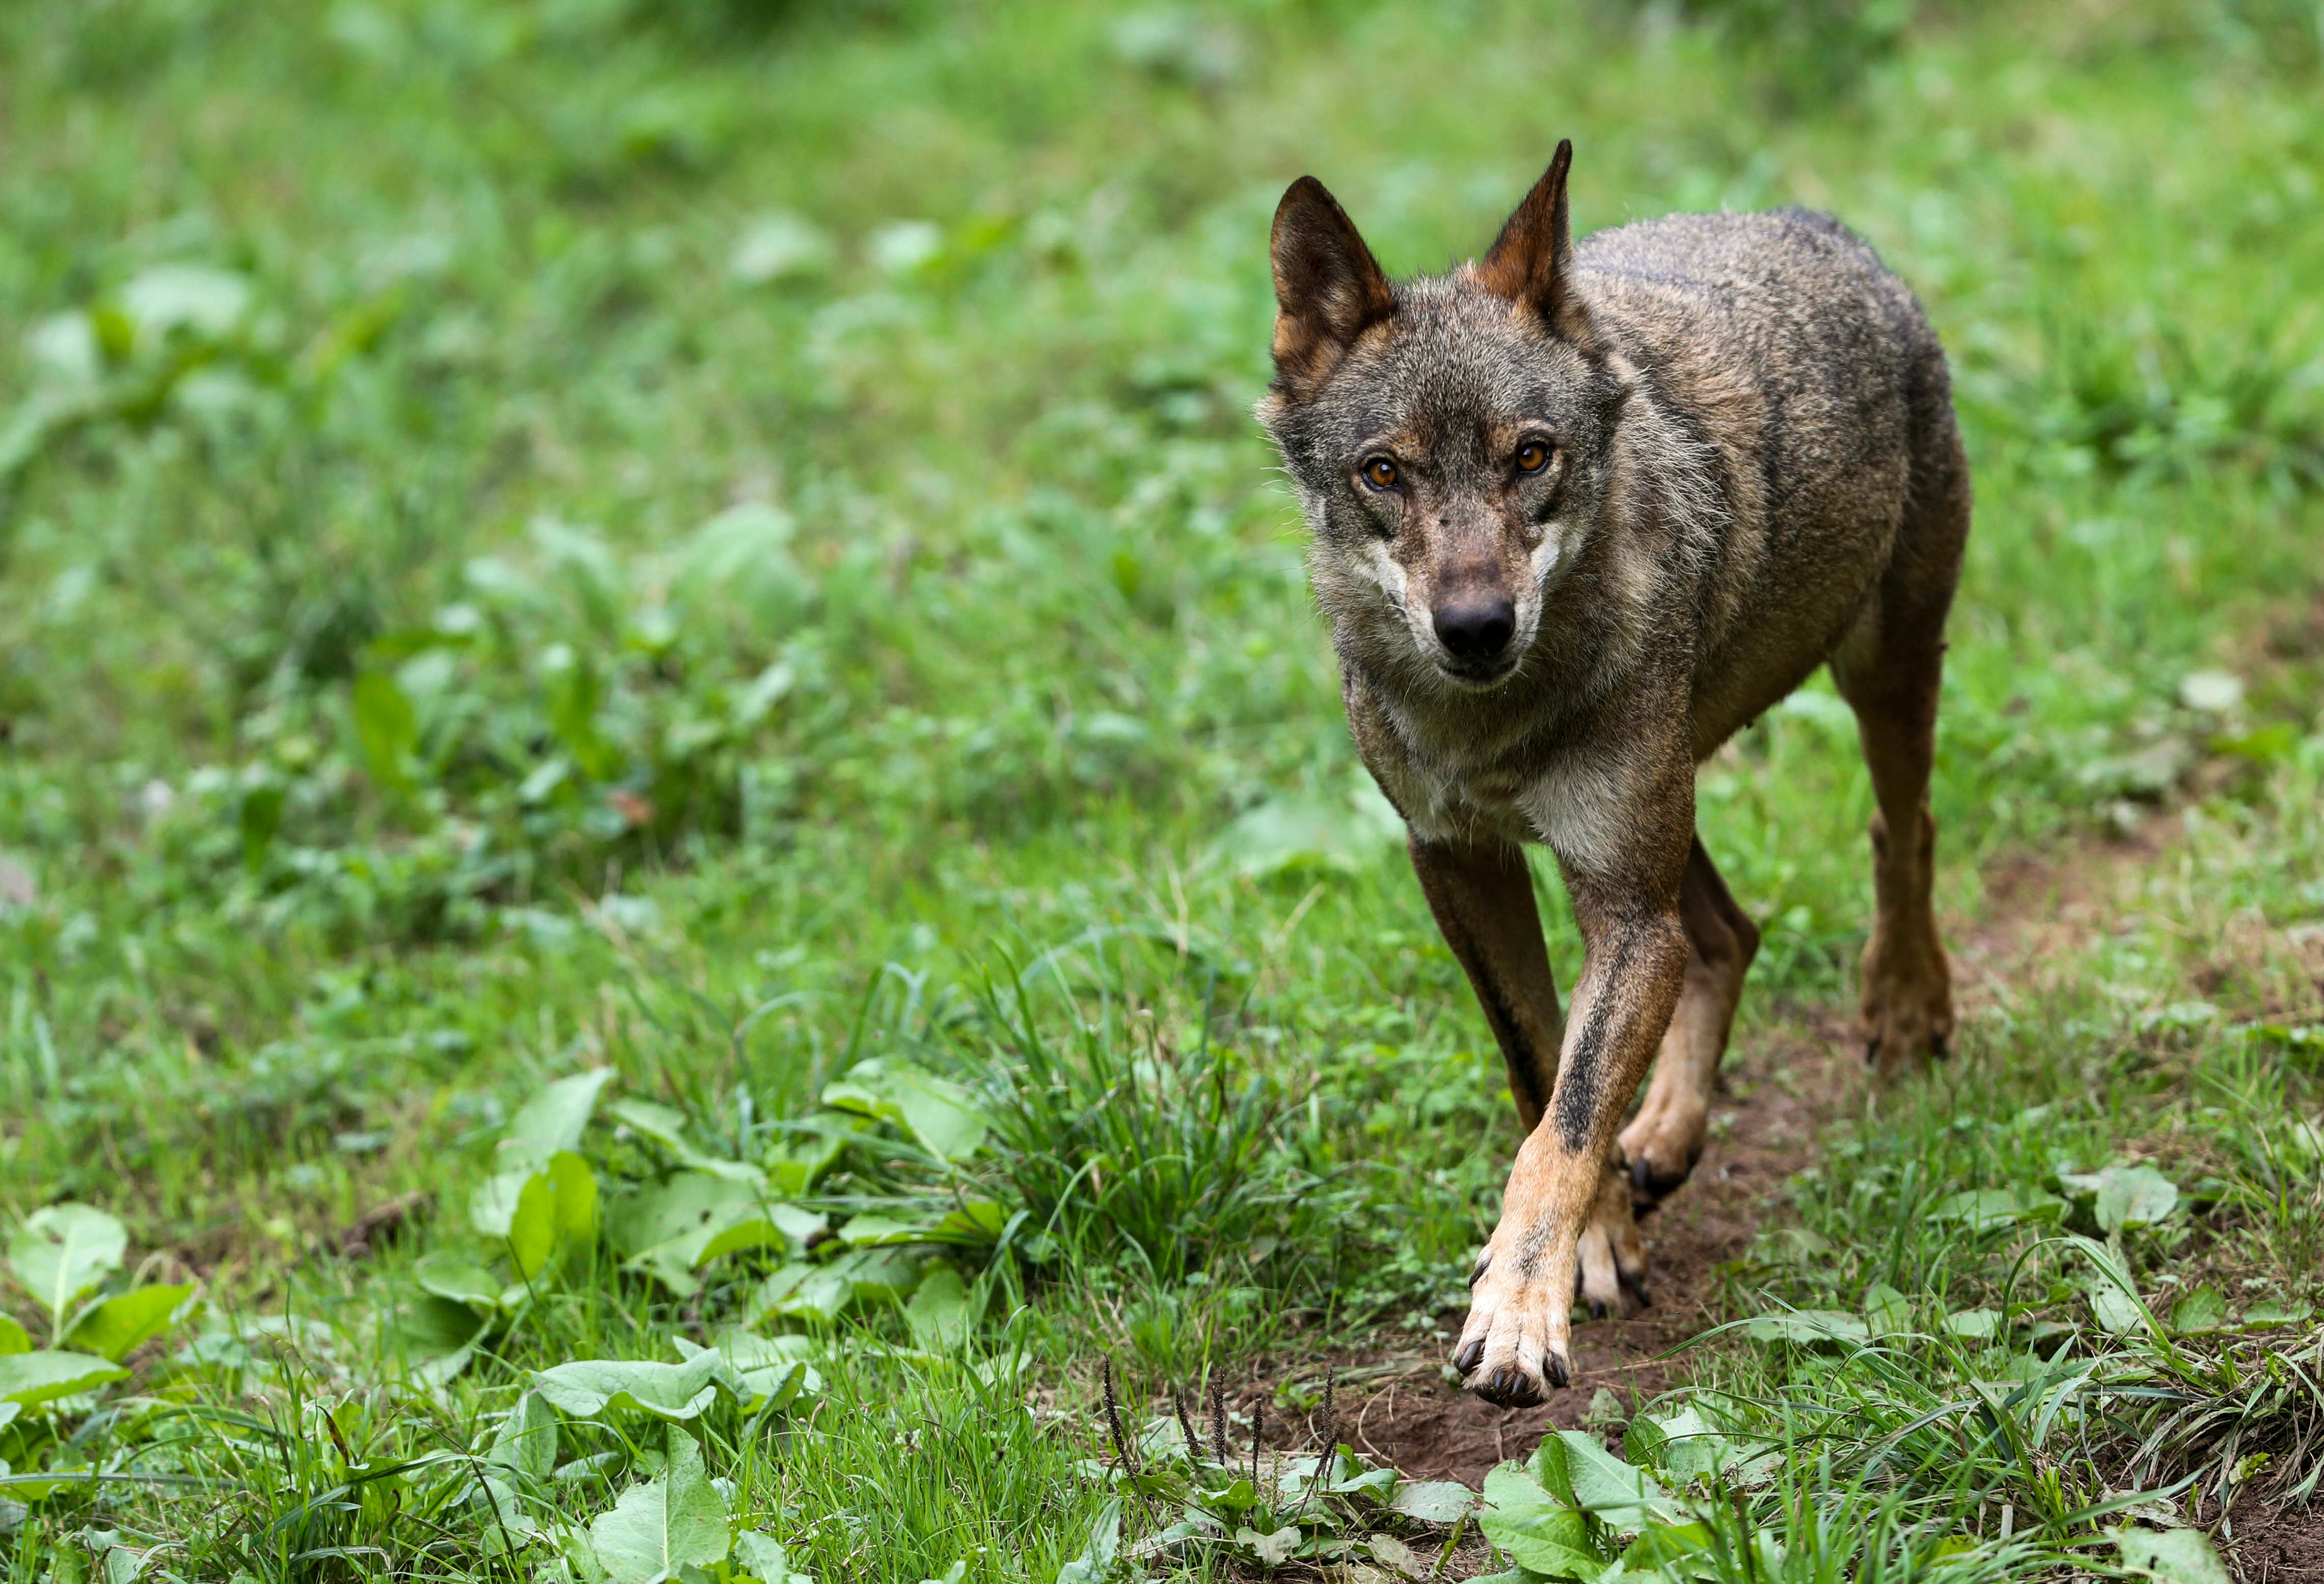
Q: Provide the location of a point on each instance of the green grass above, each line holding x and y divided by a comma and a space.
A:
725, 542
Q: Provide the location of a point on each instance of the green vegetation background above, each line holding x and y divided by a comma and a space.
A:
692, 538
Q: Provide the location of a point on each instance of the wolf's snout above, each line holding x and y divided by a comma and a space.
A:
1476, 626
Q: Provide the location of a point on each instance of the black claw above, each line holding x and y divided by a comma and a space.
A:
1509, 1388
1597, 1309
1872, 1050
1937, 1047
1484, 1262
1557, 1375
1465, 1359
1635, 1288
1649, 1188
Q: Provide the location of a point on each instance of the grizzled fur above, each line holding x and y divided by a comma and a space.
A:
1577, 515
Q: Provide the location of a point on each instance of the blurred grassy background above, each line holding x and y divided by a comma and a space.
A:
527, 531
790, 468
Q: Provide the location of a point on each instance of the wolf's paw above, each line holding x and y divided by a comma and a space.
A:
1661, 1146
1517, 1345
1908, 1003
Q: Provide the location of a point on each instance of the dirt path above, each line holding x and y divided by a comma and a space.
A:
1788, 1081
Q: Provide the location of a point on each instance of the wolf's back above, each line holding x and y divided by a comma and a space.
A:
1780, 342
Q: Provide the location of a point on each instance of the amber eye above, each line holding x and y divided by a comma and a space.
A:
1532, 457
1380, 473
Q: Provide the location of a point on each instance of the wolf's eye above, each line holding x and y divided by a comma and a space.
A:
1380, 473
1532, 457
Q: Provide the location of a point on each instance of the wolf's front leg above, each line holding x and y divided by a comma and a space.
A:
1565, 1229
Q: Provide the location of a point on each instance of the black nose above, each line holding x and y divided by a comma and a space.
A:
1476, 626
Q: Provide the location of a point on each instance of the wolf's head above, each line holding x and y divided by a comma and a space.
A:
1449, 436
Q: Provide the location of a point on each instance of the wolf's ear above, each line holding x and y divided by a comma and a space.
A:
1532, 260
1328, 287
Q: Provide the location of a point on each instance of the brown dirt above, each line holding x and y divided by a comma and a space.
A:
2277, 1545
1395, 1406
1784, 1084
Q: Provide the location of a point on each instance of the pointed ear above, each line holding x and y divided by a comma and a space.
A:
1328, 287
1532, 260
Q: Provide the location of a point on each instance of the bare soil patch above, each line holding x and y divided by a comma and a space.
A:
2277, 1545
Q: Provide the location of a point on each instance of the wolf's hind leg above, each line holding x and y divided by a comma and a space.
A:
1889, 670
1665, 1139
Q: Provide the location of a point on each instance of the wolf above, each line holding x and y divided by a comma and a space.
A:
1577, 515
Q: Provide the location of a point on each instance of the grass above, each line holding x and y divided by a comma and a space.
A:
724, 543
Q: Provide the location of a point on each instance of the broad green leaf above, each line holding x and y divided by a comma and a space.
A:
1095, 1564
261, 817
1974, 1325
1983, 1209
697, 1216
666, 1127
1601, 1483
2117, 1313
799, 1291
573, 1200
1807, 1326
27, 1378
120, 1323
1669, 1546
2200, 1312
62, 1252
387, 728
539, 1213
13, 1338
526, 1442
1886, 1312
1512, 1488
461, 1281
1395, 1553
1551, 1540
591, 1387
554, 1119
2170, 1556
2271, 1312
2133, 1196
781, 1227
1433, 1501
202, 300
664, 1524
765, 1560
435, 1333
941, 1115
679, 1208
939, 1312
793, 1169
978, 1224
1272, 1549
771, 1371
1684, 1446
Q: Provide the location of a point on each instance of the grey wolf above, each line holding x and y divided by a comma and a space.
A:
1576, 514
